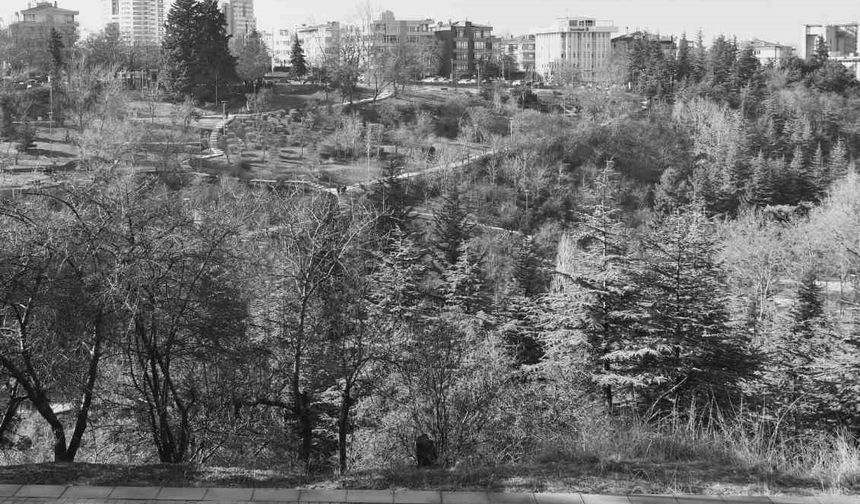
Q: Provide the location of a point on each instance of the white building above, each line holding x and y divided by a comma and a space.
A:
280, 44
578, 43
768, 53
139, 21
319, 42
240, 17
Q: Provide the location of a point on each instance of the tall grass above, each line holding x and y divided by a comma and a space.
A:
754, 441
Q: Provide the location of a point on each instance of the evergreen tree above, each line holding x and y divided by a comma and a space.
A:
837, 167
760, 188
56, 49
821, 54
683, 64
451, 228
197, 58
689, 351
390, 197
594, 303
818, 173
297, 59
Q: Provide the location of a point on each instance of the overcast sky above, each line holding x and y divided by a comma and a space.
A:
773, 20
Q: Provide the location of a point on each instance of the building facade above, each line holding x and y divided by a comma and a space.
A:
280, 44
140, 22
464, 48
387, 31
577, 44
517, 55
30, 32
770, 53
320, 43
841, 39
623, 44
240, 17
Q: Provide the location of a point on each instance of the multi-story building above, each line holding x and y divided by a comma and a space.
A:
842, 42
30, 33
841, 39
140, 22
240, 17
464, 48
390, 32
623, 44
770, 53
517, 54
580, 44
320, 43
280, 44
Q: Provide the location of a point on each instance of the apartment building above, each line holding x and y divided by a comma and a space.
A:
386, 31
623, 44
30, 32
140, 22
240, 17
517, 54
464, 48
580, 44
319, 42
280, 44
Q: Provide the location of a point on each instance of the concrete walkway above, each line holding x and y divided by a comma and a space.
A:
61, 494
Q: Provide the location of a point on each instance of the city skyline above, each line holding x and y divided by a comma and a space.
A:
773, 20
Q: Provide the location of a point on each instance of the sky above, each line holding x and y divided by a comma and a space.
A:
771, 20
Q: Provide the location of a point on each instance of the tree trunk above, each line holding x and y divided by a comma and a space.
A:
343, 426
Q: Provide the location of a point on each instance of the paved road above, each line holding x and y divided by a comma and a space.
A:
61, 494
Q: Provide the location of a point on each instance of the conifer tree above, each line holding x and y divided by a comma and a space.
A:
594, 301
689, 350
760, 187
297, 59
390, 197
451, 228
837, 167
197, 58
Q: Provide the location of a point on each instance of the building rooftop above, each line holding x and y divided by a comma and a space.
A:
43, 6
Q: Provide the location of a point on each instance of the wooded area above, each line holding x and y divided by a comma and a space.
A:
671, 276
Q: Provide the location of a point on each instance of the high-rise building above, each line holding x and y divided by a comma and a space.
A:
580, 44
139, 21
464, 48
240, 17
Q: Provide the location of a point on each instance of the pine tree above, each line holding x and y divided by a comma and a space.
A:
297, 59
689, 351
683, 65
821, 54
197, 58
56, 48
451, 228
819, 173
838, 164
390, 197
593, 305
760, 188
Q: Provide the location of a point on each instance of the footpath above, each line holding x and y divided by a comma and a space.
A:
62, 494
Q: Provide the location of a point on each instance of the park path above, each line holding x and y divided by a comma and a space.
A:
63, 494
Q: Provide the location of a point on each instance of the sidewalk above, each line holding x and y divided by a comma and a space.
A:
61, 494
